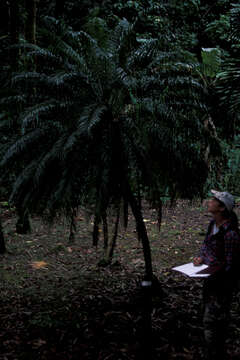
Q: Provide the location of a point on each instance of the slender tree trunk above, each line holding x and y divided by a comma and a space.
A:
104, 262
114, 238
2, 242
96, 230
73, 228
142, 232
105, 231
125, 213
109, 246
14, 33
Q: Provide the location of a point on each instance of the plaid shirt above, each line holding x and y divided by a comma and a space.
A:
223, 248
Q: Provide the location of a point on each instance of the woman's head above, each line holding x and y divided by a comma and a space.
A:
216, 207
222, 203
225, 199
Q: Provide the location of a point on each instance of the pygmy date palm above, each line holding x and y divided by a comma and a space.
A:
102, 122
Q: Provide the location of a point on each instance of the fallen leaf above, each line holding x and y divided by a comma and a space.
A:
39, 342
39, 264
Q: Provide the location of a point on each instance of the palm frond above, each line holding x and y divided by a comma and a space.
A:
117, 35
54, 154
23, 182
22, 145
143, 54
13, 100
126, 79
235, 22
34, 50
35, 115
29, 77
91, 116
228, 85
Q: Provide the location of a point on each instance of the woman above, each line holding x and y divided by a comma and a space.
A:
221, 251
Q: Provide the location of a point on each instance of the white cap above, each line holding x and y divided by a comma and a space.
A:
225, 197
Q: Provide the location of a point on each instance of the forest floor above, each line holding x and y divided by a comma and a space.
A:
58, 304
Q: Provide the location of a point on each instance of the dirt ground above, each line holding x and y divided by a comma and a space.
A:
58, 304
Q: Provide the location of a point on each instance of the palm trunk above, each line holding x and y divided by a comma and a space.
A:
146, 328
142, 233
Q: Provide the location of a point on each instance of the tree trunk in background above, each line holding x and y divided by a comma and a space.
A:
73, 227
2, 242
59, 8
96, 230
14, 33
4, 17
112, 244
105, 231
30, 25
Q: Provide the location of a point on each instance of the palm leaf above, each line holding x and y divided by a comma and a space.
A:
22, 145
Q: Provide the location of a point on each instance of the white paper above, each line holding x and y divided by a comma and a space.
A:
191, 270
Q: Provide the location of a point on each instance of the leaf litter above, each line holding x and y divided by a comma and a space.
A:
57, 303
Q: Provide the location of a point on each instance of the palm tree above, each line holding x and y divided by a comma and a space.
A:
105, 123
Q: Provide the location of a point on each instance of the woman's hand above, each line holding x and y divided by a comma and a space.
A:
197, 261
